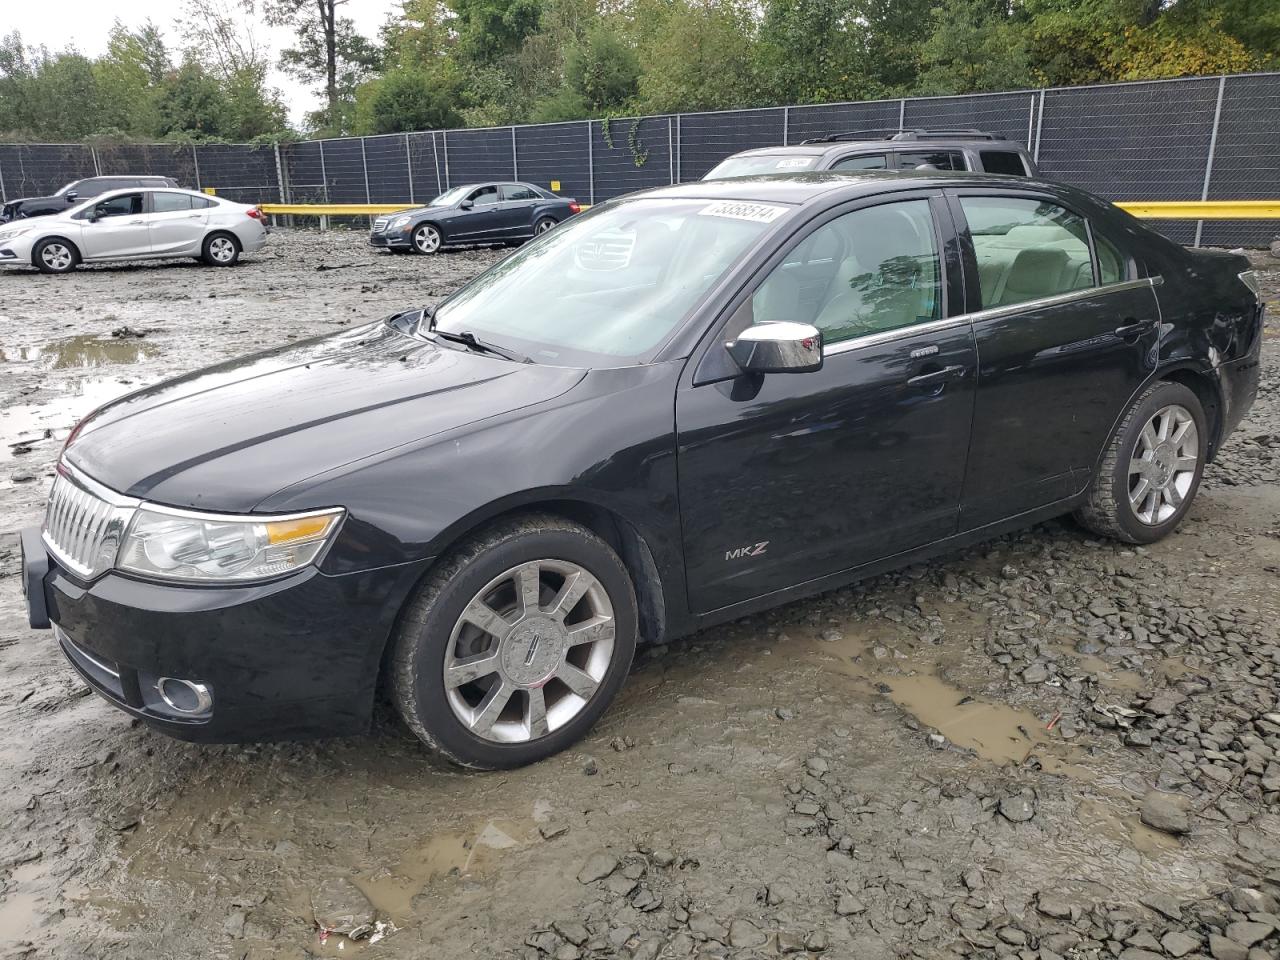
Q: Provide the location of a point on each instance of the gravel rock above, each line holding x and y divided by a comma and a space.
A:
1178, 944
598, 866
1166, 811
338, 905
744, 933
1222, 948
1017, 809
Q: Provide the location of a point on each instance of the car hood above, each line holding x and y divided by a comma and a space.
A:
226, 438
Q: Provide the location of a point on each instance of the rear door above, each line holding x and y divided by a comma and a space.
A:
118, 229
787, 478
1066, 333
519, 203
175, 226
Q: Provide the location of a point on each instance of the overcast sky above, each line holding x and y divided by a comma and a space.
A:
85, 24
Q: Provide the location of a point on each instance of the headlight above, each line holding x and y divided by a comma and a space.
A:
399, 223
179, 545
10, 234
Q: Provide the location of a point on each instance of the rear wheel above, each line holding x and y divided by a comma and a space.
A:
516, 644
543, 225
1152, 468
55, 255
427, 239
220, 250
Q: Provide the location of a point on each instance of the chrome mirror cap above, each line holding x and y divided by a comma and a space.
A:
777, 347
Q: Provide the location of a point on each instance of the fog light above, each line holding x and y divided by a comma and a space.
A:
184, 696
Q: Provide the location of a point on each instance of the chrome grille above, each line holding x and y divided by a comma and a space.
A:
380, 224
610, 250
85, 523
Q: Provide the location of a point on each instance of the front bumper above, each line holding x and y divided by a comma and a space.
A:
17, 250
390, 240
293, 658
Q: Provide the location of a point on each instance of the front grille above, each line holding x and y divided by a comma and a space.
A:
85, 523
380, 224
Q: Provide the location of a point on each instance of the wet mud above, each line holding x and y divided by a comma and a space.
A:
963, 758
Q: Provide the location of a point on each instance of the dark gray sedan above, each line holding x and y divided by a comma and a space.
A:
497, 212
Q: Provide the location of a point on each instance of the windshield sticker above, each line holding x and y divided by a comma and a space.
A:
791, 163
739, 210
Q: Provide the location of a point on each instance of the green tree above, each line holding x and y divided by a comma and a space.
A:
192, 104
491, 29
602, 69
700, 56
974, 45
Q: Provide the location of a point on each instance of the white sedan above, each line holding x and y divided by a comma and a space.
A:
136, 224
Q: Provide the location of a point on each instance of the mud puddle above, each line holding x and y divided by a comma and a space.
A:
85, 350
23, 427
392, 891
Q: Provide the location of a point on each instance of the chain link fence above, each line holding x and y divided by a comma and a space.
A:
1202, 138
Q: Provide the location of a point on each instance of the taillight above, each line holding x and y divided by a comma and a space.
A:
255, 212
575, 207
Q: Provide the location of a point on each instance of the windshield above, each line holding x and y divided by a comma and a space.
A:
761, 164
449, 197
608, 287
70, 186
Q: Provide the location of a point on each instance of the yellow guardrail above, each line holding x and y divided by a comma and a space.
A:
1202, 209
1146, 209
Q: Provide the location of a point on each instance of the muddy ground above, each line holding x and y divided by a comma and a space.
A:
1048, 746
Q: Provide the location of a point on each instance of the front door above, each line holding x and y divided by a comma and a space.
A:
118, 228
1066, 334
484, 220
787, 478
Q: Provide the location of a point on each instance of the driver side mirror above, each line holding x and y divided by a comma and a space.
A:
71, 197
467, 204
777, 347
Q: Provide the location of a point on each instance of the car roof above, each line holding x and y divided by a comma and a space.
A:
880, 146
800, 188
121, 191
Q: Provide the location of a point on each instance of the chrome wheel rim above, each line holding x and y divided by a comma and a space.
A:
544, 226
1163, 465
427, 239
529, 651
221, 249
56, 256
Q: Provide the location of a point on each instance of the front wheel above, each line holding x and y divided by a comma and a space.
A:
516, 644
220, 250
427, 239
1151, 469
55, 256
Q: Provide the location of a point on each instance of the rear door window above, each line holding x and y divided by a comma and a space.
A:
518, 191
1027, 249
938, 159
862, 161
166, 202
1003, 161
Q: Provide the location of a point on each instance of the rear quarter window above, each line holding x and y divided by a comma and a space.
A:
1003, 161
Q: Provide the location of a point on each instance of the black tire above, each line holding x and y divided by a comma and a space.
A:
216, 252
543, 225
55, 255
422, 239
423, 637
1108, 511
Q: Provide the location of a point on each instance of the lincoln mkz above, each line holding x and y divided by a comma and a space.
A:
678, 408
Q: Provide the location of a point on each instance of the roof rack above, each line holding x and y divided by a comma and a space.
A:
919, 133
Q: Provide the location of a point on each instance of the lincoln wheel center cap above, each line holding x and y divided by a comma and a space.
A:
533, 651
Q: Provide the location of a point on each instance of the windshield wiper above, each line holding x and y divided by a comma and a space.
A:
469, 339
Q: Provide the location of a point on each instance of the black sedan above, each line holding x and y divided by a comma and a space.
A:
681, 407
474, 213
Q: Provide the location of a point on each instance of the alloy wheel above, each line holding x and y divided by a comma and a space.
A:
1163, 466
543, 226
56, 256
427, 239
222, 249
529, 651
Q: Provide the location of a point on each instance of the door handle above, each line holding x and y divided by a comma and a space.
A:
1133, 328
134, 223
936, 378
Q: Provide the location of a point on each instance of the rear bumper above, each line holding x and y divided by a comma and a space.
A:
1239, 379
294, 658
